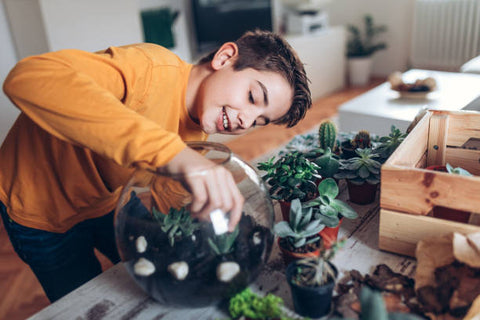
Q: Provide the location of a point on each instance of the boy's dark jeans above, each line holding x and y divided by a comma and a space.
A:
63, 261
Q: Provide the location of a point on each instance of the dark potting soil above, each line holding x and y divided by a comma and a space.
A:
285, 244
201, 286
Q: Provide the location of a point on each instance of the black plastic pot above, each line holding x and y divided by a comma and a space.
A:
313, 302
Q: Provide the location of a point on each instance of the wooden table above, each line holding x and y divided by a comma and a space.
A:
114, 294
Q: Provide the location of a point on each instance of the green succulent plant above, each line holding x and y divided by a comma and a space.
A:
316, 271
223, 244
177, 224
458, 170
361, 140
389, 143
327, 209
362, 45
302, 228
291, 176
327, 135
328, 163
360, 169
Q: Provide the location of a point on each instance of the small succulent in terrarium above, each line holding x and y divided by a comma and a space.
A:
176, 224
223, 243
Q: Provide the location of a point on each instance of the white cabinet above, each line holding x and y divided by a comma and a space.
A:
323, 54
38, 26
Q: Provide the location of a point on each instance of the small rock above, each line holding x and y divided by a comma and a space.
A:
179, 270
257, 238
143, 267
141, 244
226, 271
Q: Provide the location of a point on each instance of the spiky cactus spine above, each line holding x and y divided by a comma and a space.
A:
362, 140
327, 135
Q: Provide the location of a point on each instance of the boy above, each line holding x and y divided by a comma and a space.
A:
89, 119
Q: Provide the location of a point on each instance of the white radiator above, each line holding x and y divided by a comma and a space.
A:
446, 33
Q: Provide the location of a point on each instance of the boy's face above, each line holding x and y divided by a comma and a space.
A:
230, 102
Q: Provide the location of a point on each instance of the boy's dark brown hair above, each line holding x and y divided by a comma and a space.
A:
267, 51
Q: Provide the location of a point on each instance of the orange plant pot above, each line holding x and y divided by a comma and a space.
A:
289, 256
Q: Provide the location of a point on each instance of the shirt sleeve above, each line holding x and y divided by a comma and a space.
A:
89, 100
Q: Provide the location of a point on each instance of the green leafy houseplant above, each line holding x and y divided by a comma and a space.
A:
301, 229
362, 174
327, 208
177, 224
252, 306
312, 281
363, 45
291, 176
389, 143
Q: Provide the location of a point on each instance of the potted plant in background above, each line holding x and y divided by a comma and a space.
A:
312, 281
360, 49
389, 143
362, 174
298, 237
291, 176
329, 210
361, 140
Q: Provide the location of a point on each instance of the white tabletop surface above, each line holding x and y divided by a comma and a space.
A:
379, 108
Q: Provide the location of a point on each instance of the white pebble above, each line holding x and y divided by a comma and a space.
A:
143, 267
179, 270
257, 239
226, 271
141, 244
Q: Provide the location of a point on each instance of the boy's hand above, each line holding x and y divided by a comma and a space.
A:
211, 185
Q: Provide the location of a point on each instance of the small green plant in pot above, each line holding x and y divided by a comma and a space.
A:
329, 210
362, 174
327, 135
312, 281
328, 164
361, 140
389, 143
292, 176
298, 237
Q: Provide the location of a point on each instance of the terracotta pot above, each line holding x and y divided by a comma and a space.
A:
285, 208
289, 256
330, 235
362, 194
444, 212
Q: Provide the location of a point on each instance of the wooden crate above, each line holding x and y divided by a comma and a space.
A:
409, 192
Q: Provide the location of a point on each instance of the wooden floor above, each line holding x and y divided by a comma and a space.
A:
20, 293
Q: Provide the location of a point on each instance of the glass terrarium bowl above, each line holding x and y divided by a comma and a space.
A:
182, 261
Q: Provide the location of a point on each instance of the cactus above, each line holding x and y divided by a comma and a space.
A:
327, 135
361, 140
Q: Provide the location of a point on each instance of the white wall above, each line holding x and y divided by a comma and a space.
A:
8, 112
397, 15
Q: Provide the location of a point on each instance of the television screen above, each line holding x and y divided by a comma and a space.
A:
218, 21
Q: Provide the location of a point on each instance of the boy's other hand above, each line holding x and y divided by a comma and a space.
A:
212, 186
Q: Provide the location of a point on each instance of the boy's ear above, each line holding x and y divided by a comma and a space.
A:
225, 56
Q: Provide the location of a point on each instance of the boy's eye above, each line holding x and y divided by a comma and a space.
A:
250, 97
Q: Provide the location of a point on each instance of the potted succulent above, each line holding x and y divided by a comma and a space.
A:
362, 174
360, 49
291, 176
328, 164
449, 213
298, 237
312, 281
329, 210
327, 135
389, 143
361, 140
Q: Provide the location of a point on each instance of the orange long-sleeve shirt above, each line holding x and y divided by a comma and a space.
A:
88, 119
